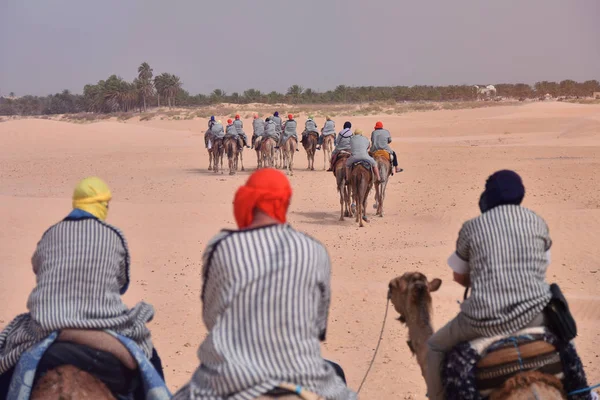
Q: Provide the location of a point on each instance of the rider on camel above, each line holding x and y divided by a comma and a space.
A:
342, 143
502, 255
328, 129
359, 147
273, 308
380, 140
289, 130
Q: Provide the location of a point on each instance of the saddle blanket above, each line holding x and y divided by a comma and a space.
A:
461, 377
365, 164
24, 375
382, 153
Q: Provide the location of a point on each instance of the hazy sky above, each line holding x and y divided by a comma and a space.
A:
50, 45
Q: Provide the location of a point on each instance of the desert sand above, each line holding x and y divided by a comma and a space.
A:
169, 206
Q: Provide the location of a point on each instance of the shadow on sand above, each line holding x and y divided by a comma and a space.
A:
205, 171
319, 217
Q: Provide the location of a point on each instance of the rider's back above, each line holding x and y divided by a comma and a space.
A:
380, 139
74, 257
507, 249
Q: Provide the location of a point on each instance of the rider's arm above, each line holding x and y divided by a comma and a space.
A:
123, 277
459, 260
325, 299
35, 262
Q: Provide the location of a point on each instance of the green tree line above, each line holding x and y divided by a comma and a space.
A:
117, 95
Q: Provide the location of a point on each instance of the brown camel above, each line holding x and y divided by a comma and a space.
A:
339, 170
231, 149
309, 141
240, 153
217, 153
256, 141
68, 382
382, 158
327, 149
361, 182
410, 295
267, 147
289, 149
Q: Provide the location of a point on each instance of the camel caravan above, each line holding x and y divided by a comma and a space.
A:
512, 339
358, 167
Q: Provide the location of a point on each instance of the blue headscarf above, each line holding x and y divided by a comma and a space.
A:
212, 118
276, 114
347, 125
501, 188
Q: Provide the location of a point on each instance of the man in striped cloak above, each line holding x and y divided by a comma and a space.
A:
502, 255
265, 303
82, 269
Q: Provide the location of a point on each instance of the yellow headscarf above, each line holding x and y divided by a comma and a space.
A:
358, 132
92, 195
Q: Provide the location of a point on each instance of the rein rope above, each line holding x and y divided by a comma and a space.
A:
387, 307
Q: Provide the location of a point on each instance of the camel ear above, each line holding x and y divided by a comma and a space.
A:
397, 283
435, 285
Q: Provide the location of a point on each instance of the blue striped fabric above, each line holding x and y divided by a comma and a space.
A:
266, 295
82, 268
506, 250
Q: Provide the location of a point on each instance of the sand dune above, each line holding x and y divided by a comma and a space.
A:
169, 206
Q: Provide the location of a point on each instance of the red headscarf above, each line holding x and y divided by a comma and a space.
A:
268, 190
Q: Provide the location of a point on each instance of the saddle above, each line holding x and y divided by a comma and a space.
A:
383, 154
99, 340
288, 392
338, 157
363, 163
474, 370
306, 134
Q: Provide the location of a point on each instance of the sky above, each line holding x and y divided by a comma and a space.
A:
47, 46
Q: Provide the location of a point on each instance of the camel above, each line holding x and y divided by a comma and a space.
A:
267, 147
217, 153
288, 150
410, 295
382, 158
208, 142
278, 157
256, 144
339, 170
361, 182
327, 149
309, 141
231, 148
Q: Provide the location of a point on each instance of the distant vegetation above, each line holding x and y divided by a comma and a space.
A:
117, 95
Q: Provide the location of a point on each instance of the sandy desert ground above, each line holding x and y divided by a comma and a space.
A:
169, 206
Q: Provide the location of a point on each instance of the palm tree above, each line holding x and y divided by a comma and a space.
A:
218, 95
145, 82
167, 85
252, 95
295, 91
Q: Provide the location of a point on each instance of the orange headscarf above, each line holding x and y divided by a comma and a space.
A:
268, 190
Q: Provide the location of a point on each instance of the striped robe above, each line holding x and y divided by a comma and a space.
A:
82, 269
266, 296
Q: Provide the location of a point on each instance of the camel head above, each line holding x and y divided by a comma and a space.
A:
411, 296
411, 292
